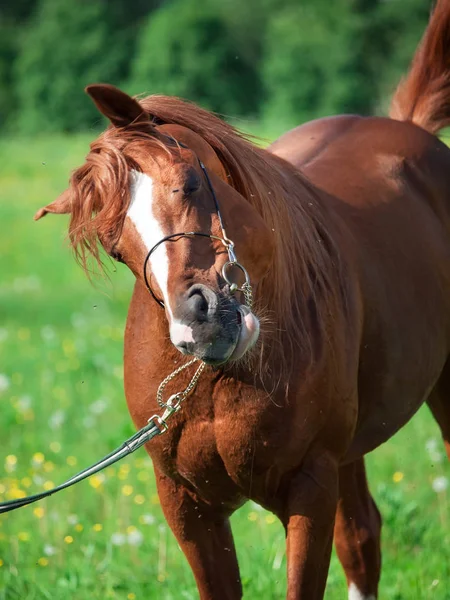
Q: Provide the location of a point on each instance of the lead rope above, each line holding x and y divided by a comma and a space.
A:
156, 425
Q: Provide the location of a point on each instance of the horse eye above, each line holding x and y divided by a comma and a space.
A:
192, 183
116, 256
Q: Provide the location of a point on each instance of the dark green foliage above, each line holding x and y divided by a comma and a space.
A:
192, 53
68, 45
284, 61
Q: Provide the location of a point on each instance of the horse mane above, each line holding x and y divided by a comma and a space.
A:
301, 288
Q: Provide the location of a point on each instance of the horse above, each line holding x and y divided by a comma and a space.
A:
342, 230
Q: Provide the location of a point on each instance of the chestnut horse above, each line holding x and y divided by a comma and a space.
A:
343, 225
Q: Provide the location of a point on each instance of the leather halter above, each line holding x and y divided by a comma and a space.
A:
225, 240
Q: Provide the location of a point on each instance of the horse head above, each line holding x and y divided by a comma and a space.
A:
157, 197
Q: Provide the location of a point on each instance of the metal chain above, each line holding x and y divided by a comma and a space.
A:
190, 387
248, 294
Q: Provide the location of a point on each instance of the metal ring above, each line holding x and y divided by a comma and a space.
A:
239, 266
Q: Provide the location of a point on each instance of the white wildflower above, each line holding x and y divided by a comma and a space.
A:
57, 419
24, 403
4, 383
72, 519
440, 484
78, 320
49, 550
118, 539
147, 519
48, 334
135, 538
99, 406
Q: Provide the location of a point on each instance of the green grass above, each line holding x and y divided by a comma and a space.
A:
62, 397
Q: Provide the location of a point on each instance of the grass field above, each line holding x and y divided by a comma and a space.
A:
62, 408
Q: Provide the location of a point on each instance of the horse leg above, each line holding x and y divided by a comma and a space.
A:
357, 533
308, 512
205, 538
439, 403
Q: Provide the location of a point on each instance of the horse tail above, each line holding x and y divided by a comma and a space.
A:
423, 96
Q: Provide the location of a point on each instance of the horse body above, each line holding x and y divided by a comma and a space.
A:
387, 182
343, 226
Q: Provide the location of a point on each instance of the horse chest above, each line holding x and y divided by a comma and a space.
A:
229, 458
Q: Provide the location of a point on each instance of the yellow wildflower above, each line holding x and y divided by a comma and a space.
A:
79, 527
139, 499
55, 447
39, 512
68, 539
48, 485
97, 527
23, 536
43, 562
14, 493
71, 461
127, 490
397, 477
38, 458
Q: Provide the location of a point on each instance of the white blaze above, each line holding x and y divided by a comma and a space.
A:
142, 214
355, 594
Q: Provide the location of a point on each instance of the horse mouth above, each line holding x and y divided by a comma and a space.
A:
228, 345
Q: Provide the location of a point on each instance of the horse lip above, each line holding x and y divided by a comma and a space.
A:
244, 312
239, 322
241, 312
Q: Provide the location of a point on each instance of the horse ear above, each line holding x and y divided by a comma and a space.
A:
120, 108
62, 205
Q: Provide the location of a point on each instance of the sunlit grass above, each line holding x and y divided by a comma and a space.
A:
62, 408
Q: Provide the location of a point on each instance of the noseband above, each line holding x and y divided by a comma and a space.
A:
232, 262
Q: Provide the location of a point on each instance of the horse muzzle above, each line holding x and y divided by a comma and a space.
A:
213, 326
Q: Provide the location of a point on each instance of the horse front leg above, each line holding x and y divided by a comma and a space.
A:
205, 538
308, 516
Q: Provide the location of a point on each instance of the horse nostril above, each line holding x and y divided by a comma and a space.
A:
201, 300
199, 304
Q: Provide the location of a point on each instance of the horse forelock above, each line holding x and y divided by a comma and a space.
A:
101, 191
301, 285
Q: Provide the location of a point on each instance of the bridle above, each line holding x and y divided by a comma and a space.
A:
232, 262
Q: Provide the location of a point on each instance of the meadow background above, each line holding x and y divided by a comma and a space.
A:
268, 64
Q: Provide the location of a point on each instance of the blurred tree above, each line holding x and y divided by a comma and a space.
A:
307, 46
192, 53
324, 58
13, 17
286, 60
68, 45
